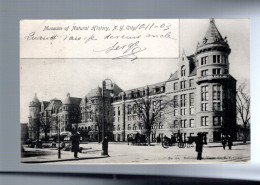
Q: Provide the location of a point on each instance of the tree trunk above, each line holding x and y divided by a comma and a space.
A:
45, 136
245, 136
149, 139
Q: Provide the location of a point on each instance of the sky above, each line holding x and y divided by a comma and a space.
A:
53, 78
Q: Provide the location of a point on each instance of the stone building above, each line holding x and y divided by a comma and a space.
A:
202, 91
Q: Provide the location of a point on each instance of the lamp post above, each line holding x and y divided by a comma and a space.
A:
104, 138
59, 153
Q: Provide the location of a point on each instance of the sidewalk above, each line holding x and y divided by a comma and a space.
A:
36, 155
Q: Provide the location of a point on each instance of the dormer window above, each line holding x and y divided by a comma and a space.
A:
183, 70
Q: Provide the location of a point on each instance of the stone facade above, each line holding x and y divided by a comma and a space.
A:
202, 91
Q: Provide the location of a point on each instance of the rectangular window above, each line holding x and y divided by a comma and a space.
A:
183, 100
204, 121
183, 111
175, 86
191, 82
118, 119
216, 59
216, 71
216, 92
129, 109
204, 106
223, 59
192, 123
204, 93
182, 84
175, 101
191, 99
176, 124
175, 112
217, 120
204, 60
216, 106
184, 123
118, 110
204, 72
191, 110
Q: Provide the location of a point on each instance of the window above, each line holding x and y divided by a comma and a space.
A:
175, 86
129, 118
175, 101
191, 82
175, 112
216, 59
184, 123
134, 127
129, 127
204, 60
191, 110
161, 126
216, 92
183, 100
191, 99
183, 71
204, 121
183, 111
204, 72
217, 120
134, 117
134, 109
175, 124
118, 119
204, 93
192, 123
216, 71
118, 127
223, 59
129, 109
204, 106
118, 110
216, 106
183, 84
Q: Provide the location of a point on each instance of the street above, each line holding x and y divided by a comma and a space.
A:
122, 153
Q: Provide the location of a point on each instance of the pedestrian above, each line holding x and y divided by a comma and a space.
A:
230, 143
158, 139
105, 146
224, 141
75, 144
199, 146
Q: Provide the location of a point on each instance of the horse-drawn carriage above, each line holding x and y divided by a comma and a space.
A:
180, 142
137, 139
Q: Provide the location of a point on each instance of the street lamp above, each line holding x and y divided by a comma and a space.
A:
58, 139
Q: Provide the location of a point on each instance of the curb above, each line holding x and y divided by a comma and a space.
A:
60, 160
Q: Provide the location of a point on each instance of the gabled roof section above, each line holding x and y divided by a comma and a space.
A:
173, 76
193, 72
54, 104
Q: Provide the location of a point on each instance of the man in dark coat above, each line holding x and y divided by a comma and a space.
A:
230, 143
75, 144
224, 141
199, 146
105, 146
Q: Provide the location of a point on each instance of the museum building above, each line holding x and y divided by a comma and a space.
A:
202, 91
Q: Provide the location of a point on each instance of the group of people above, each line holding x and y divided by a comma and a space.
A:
199, 144
226, 140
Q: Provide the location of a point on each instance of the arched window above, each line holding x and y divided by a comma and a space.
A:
183, 70
134, 127
128, 127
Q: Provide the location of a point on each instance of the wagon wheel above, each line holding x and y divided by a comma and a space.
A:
164, 144
184, 145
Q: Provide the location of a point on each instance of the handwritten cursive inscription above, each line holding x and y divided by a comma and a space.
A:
127, 50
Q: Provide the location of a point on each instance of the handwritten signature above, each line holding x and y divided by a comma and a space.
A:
129, 51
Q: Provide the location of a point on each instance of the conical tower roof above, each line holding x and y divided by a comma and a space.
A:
212, 37
35, 101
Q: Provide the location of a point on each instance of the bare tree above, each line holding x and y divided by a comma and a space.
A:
150, 112
45, 124
243, 109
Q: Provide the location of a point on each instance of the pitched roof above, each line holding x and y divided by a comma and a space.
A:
54, 104
94, 92
144, 87
173, 76
193, 72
